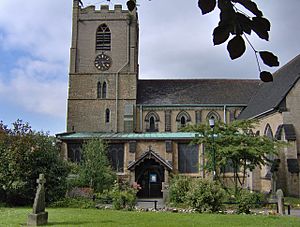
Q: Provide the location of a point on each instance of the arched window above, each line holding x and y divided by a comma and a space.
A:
268, 131
183, 121
183, 118
107, 116
213, 115
152, 124
103, 38
99, 90
104, 89
152, 119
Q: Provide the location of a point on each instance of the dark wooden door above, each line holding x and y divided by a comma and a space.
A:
150, 176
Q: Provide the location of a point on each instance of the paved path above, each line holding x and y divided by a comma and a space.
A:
295, 212
141, 203
161, 204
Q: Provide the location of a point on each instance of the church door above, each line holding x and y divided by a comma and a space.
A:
150, 175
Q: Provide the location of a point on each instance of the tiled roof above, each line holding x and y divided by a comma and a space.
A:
196, 91
270, 95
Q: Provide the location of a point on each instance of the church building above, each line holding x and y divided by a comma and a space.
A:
141, 119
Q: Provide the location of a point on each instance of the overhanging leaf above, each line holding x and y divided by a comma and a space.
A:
131, 5
251, 6
261, 26
266, 76
236, 47
245, 23
262, 23
269, 58
221, 34
206, 6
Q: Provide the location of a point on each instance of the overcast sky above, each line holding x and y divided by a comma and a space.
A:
175, 42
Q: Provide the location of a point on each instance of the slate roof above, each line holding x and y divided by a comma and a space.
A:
270, 95
147, 155
195, 91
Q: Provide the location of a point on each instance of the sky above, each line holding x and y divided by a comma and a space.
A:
175, 42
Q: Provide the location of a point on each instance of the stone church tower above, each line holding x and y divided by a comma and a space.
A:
103, 69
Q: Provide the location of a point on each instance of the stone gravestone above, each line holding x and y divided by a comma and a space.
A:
280, 200
39, 216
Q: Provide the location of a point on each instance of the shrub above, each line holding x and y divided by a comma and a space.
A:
179, 187
247, 200
24, 154
123, 198
78, 202
205, 195
104, 197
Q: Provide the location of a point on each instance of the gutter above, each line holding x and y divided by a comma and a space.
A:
192, 105
263, 113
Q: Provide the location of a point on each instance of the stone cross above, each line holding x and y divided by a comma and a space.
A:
39, 201
39, 216
280, 200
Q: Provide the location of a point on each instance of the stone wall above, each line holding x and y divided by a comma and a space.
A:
175, 125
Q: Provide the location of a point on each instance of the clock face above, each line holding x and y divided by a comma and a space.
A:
103, 62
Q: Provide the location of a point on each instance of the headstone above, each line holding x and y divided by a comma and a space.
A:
39, 216
280, 201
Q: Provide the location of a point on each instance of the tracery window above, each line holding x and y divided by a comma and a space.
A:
152, 119
182, 119
188, 158
103, 38
213, 115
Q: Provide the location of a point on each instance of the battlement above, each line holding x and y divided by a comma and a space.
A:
104, 9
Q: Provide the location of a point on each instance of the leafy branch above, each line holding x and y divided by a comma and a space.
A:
235, 22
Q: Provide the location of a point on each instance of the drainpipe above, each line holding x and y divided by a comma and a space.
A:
225, 120
141, 118
118, 73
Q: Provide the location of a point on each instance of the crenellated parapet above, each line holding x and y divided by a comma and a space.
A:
92, 13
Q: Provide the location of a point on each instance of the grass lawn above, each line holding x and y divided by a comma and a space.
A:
94, 217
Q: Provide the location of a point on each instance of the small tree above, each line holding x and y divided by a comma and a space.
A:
236, 146
24, 154
95, 170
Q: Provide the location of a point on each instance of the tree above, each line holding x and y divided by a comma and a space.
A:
234, 21
236, 146
95, 170
24, 154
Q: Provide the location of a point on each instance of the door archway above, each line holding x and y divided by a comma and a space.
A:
150, 175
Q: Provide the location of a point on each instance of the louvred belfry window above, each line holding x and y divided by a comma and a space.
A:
103, 38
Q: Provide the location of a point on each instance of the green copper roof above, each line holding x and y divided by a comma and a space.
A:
127, 136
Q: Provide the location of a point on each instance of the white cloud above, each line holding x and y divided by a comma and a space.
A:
41, 28
29, 88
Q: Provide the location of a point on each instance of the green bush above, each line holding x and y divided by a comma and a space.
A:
24, 154
247, 200
105, 197
78, 202
205, 196
179, 187
123, 198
